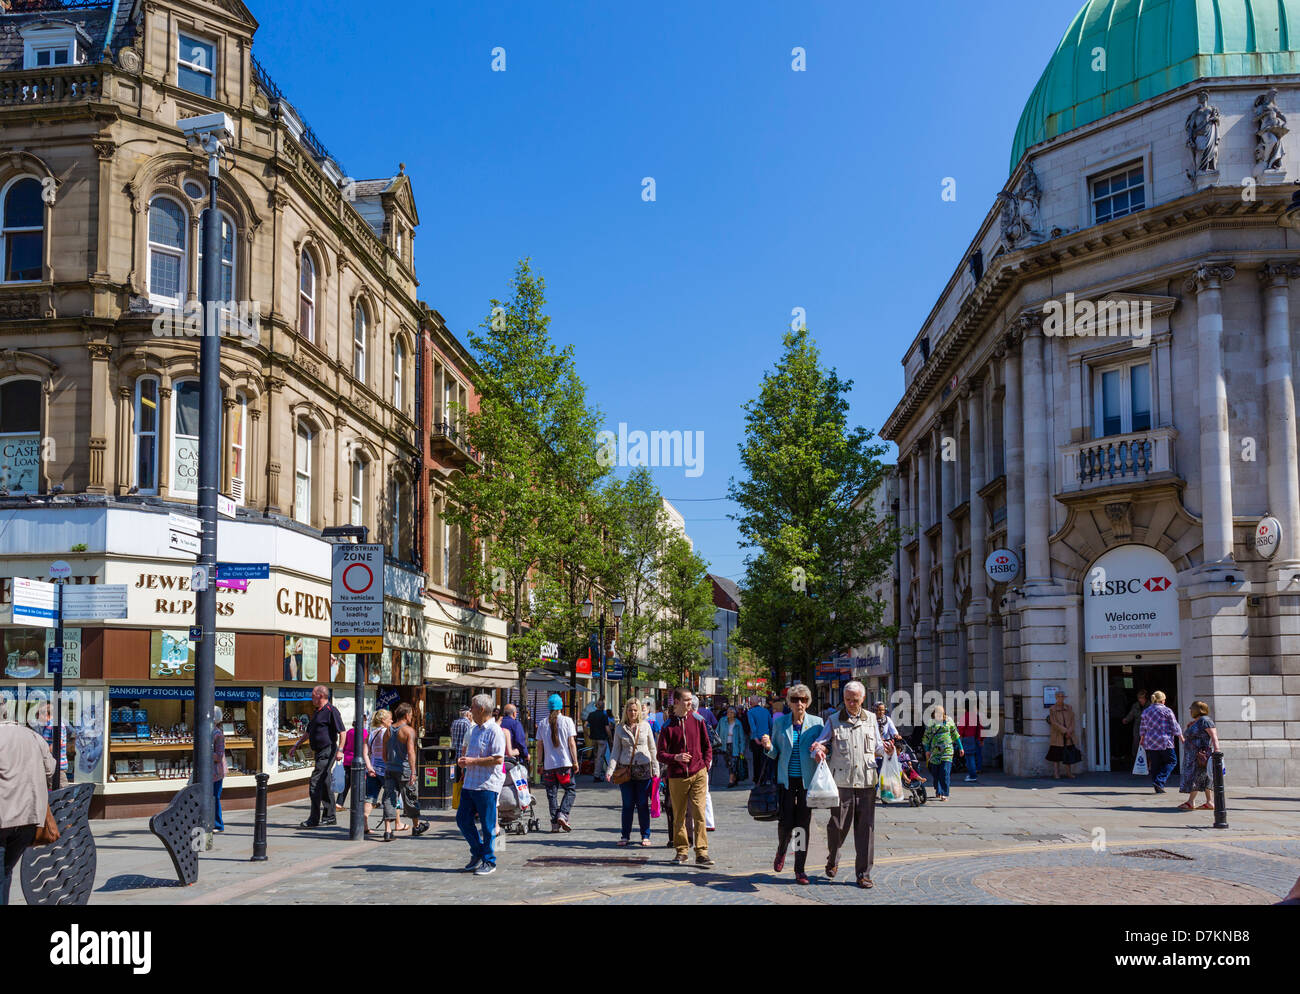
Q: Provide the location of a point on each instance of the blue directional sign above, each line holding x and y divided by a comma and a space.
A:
196, 633
243, 571
615, 671
54, 656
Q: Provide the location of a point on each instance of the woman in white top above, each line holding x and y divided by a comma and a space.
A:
632, 757
558, 739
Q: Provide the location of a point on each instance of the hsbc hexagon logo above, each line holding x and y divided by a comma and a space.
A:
1158, 583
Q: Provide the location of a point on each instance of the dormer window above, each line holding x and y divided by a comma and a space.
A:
195, 63
50, 46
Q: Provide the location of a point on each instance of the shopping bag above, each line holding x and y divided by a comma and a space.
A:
340, 777
708, 812
891, 778
1140, 764
822, 791
519, 776
655, 809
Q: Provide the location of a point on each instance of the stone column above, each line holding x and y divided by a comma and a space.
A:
1216, 471
1013, 419
946, 442
906, 512
1037, 468
1279, 393
977, 612
275, 432
925, 624
101, 402
125, 435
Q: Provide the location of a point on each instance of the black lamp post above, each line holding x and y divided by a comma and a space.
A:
618, 605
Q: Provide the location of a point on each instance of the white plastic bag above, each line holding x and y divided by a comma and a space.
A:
822, 791
1140, 768
891, 778
519, 776
340, 777
708, 812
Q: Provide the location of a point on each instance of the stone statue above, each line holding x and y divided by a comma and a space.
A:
1270, 127
1203, 136
1020, 211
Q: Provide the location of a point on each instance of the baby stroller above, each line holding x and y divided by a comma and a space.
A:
517, 805
913, 782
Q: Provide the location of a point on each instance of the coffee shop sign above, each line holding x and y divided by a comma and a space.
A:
475, 644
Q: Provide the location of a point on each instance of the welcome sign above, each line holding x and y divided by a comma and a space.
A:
1130, 602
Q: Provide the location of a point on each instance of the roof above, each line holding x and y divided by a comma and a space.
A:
91, 16
728, 586
1152, 47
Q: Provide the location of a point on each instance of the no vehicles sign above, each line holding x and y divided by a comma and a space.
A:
357, 599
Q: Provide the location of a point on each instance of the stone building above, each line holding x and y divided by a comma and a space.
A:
1106, 389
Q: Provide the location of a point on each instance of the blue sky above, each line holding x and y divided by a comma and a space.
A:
775, 189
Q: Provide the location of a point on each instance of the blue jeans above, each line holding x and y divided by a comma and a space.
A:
1161, 763
217, 823
974, 761
942, 772
480, 805
636, 797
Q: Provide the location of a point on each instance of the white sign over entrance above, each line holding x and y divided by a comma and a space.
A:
1130, 602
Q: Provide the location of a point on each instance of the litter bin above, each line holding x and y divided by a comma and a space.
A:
435, 776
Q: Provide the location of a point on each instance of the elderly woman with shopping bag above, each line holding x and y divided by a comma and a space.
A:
790, 744
852, 742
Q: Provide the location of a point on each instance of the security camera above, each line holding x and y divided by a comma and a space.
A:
218, 127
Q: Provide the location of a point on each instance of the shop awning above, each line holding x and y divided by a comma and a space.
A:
496, 678
551, 684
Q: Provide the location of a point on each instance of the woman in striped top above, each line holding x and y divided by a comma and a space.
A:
790, 744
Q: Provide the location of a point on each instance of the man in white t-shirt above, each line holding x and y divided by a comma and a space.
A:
557, 736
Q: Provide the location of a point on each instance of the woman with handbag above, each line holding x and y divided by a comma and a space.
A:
26, 765
1061, 747
634, 767
1200, 740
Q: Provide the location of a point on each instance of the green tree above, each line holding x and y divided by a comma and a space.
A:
528, 505
806, 593
685, 620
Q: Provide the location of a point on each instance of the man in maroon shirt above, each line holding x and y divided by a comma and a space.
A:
686, 755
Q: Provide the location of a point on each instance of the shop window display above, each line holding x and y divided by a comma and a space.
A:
153, 739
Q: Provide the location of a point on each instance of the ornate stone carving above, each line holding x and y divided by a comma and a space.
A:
129, 60
99, 350
1202, 127
1277, 273
1270, 128
20, 308
105, 149
1209, 276
1120, 515
1020, 210
275, 384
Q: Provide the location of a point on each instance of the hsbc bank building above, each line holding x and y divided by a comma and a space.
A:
1097, 434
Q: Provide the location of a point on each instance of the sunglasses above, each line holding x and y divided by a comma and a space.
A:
800, 700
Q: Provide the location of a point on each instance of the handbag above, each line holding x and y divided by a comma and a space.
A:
48, 833
1072, 754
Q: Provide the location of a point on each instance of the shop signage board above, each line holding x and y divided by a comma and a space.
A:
357, 598
226, 506
1002, 566
1130, 602
34, 603
95, 602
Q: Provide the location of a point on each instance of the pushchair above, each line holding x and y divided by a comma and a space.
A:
913, 782
517, 804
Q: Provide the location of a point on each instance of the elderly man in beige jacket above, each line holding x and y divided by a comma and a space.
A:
852, 741
26, 765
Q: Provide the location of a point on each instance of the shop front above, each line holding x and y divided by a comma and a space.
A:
466, 654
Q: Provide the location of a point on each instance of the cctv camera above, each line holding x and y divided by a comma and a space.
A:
216, 126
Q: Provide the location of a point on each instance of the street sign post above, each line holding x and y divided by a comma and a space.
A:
95, 602
34, 603
357, 598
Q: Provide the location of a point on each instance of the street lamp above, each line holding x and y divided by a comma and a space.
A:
208, 134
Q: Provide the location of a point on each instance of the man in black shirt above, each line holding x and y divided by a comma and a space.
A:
323, 731
599, 723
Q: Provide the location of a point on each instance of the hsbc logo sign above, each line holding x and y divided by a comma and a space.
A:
1002, 566
1109, 587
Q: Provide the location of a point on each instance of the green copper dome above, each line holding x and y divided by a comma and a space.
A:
1152, 47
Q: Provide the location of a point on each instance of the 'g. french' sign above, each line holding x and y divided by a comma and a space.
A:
1002, 566
1130, 602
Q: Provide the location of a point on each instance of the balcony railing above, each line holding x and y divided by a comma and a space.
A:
447, 440
1121, 459
59, 85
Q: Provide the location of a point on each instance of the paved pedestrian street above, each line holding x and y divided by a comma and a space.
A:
1099, 839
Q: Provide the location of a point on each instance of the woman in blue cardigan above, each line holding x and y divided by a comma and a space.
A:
790, 744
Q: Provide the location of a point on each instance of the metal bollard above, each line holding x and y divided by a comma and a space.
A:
1220, 803
259, 820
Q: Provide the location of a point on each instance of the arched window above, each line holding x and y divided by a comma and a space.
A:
307, 298
302, 474
238, 446
146, 434
226, 293
22, 249
185, 439
358, 497
360, 331
399, 368
20, 436
168, 230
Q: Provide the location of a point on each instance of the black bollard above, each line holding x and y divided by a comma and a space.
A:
1220, 803
259, 820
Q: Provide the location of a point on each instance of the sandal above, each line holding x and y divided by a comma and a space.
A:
1185, 806
622, 843
1207, 806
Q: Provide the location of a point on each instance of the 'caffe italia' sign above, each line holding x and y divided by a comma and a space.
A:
460, 642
